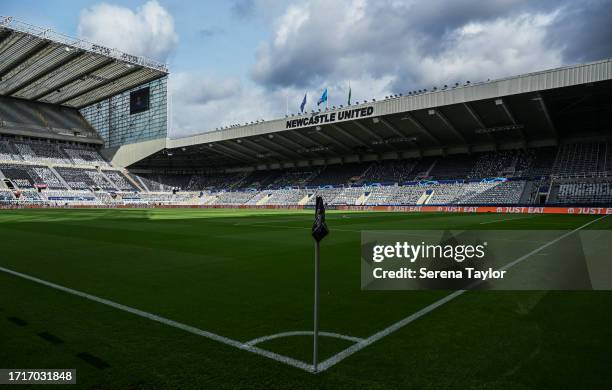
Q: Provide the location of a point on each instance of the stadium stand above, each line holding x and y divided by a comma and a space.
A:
328, 194
7, 153
404, 195
343, 173
286, 197
234, 198
576, 191
85, 156
508, 192
455, 167
295, 177
77, 174
120, 181
541, 162
579, 158
82, 178
394, 171
349, 196
379, 195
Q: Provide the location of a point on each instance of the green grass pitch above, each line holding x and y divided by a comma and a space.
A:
245, 274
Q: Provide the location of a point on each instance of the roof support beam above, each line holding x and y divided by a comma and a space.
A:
401, 134
349, 136
64, 62
268, 149
24, 57
368, 131
266, 139
307, 140
479, 122
393, 129
72, 79
372, 134
504, 107
247, 151
232, 153
540, 99
334, 141
99, 85
474, 116
449, 125
295, 144
422, 129
243, 150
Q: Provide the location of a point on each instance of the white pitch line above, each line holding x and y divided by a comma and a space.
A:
153, 317
400, 324
302, 333
508, 219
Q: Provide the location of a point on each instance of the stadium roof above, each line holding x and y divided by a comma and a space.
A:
535, 109
42, 65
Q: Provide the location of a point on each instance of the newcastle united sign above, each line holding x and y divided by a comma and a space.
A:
330, 117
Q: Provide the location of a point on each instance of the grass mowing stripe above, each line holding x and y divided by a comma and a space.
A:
400, 324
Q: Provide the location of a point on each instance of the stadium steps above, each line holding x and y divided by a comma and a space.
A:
602, 157
264, 200
528, 191
108, 180
362, 199
305, 199
425, 198
142, 184
211, 200
59, 177
129, 177
553, 194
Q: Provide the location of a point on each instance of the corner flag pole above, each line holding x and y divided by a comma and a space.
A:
316, 308
319, 231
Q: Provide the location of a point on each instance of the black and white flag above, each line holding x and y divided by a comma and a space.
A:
319, 227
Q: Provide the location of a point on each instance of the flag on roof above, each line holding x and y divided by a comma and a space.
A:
323, 97
303, 103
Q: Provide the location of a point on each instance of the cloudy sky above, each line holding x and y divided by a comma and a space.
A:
234, 61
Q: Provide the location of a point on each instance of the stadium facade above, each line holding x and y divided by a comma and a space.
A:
86, 125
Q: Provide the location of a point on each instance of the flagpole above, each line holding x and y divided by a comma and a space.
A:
316, 310
349, 94
319, 231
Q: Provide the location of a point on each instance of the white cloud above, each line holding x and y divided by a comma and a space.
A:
408, 44
480, 51
147, 31
201, 102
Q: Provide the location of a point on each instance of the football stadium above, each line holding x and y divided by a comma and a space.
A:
138, 260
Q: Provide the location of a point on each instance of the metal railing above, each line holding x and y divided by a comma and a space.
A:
17, 25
